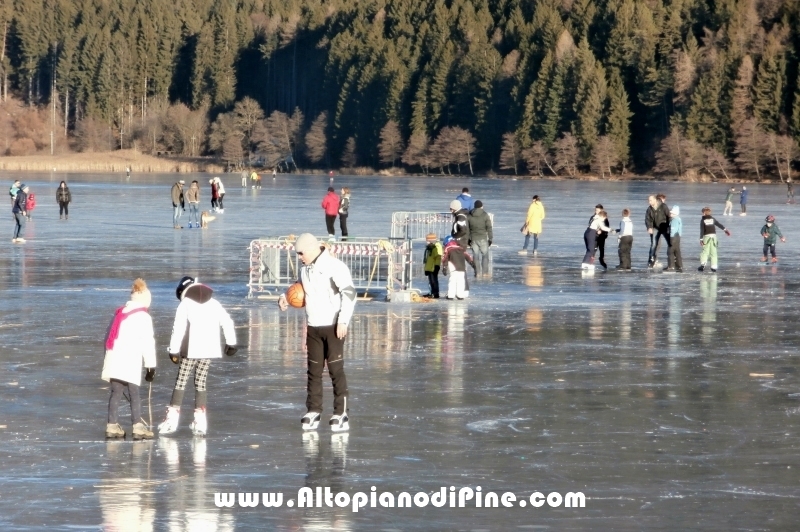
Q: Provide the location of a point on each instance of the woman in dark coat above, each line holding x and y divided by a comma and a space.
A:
63, 197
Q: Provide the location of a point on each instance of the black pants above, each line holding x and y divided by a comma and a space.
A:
655, 241
433, 281
219, 201
329, 219
769, 248
674, 259
343, 225
590, 239
601, 247
117, 391
325, 348
744, 207
63, 208
214, 203
625, 245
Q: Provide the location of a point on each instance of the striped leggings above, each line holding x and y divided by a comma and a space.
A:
200, 366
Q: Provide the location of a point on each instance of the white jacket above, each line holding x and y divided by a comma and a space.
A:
330, 295
135, 343
220, 187
195, 332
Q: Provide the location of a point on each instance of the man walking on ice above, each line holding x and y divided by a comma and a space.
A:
330, 298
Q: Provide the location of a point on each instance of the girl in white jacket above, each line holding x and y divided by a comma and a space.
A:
129, 342
195, 341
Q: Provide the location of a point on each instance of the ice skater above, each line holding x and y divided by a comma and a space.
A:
220, 195
708, 239
597, 225
195, 342
330, 299
460, 227
771, 233
178, 202
481, 235
63, 198
30, 204
466, 200
330, 204
193, 199
432, 259
601, 236
130, 341
20, 215
214, 195
533, 225
344, 211
657, 221
625, 238
674, 259
743, 201
729, 202
456, 255
789, 191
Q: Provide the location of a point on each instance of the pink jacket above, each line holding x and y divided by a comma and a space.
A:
331, 204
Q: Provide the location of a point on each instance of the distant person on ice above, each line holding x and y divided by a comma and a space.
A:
20, 215
743, 201
130, 342
533, 226
771, 234
330, 299
63, 198
432, 259
454, 263
220, 195
460, 228
674, 258
344, 211
625, 233
480, 233
789, 191
195, 342
597, 226
330, 204
729, 202
657, 221
708, 239
465, 199
601, 235
193, 199
178, 203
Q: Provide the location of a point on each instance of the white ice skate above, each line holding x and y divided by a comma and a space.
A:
170, 424
587, 266
200, 423
340, 423
310, 421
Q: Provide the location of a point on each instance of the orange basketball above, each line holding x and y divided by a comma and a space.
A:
296, 296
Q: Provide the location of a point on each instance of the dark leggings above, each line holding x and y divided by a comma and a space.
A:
117, 393
343, 225
769, 248
219, 201
433, 281
63, 208
590, 239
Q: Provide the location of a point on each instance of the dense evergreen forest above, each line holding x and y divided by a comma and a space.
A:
677, 87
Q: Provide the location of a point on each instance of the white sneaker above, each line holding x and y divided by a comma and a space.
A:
20, 241
535, 253
586, 266
170, 424
200, 423
310, 421
221, 211
339, 423
522, 252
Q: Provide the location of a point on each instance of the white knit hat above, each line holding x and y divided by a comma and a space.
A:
455, 205
306, 243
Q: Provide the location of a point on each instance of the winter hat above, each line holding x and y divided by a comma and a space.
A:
675, 210
307, 243
181, 182
23, 187
331, 189
455, 205
478, 204
184, 283
211, 181
140, 293
431, 237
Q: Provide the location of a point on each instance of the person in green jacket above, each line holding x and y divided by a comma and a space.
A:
433, 262
771, 234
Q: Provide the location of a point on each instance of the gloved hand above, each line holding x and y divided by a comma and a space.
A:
150, 375
175, 357
490, 243
444, 272
727, 232
230, 350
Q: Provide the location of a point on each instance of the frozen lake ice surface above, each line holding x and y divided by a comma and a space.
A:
671, 401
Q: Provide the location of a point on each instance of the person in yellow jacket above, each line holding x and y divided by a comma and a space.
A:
533, 226
433, 262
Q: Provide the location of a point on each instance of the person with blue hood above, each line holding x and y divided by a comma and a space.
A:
466, 200
674, 259
743, 201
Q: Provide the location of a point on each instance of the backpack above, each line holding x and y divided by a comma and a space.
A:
30, 204
116, 324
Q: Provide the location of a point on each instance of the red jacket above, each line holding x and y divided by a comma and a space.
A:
331, 204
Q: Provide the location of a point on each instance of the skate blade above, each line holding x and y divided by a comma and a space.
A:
344, 427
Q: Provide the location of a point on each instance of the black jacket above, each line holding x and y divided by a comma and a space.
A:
708, 226
460, 229
20, 203
657, 218
63, 195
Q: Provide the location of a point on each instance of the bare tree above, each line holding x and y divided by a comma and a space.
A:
277, 137
604, 157
91, 135
783, 148
232, 151
537, 155
316, 139
417, 153
247, 113
349, 158
391, 145
453, 145
510, 153
716, 161
567, 153
752, 146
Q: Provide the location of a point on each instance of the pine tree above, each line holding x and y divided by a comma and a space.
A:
590, 98
768, 88
417, 151
742, 105
618, 116
705, 122
349, 158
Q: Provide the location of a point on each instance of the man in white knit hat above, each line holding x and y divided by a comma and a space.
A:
330, 298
